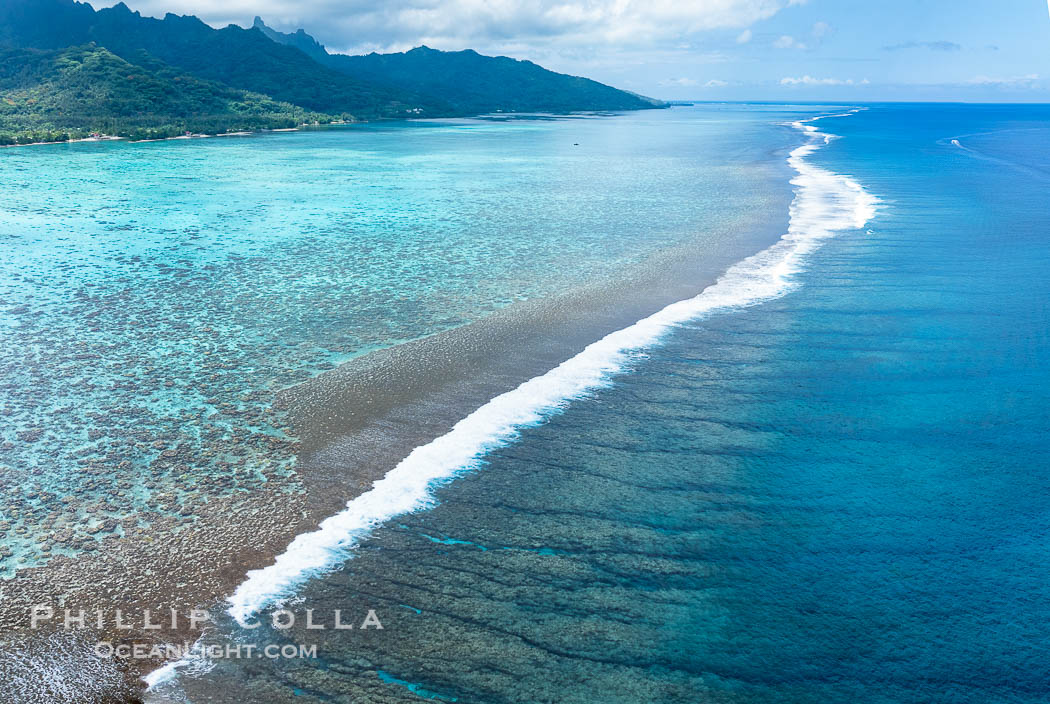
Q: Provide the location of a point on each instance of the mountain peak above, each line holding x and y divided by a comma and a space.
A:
123, 9
300, 40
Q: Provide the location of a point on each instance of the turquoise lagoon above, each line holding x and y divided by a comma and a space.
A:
155, 297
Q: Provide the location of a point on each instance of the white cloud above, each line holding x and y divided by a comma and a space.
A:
678, 82
821, 29
808, 80
788, 42
744, 37
455, 24
715, 83
1026, 81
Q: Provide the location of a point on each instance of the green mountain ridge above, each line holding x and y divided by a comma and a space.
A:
471, 82
48, 96
70, 69
240, 58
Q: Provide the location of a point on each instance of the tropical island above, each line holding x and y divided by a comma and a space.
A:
68, 71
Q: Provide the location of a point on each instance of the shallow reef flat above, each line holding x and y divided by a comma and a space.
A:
211, 346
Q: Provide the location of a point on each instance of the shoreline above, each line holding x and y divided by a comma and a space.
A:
103, 138
114, 138
299, 128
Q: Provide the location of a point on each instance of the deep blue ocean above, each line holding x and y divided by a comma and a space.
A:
840, 494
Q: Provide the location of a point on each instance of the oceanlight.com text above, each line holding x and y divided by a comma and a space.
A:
229, 651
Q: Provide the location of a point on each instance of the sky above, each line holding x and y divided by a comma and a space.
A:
970, 50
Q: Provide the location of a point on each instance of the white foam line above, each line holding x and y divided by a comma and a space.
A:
824, 203
195, 661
